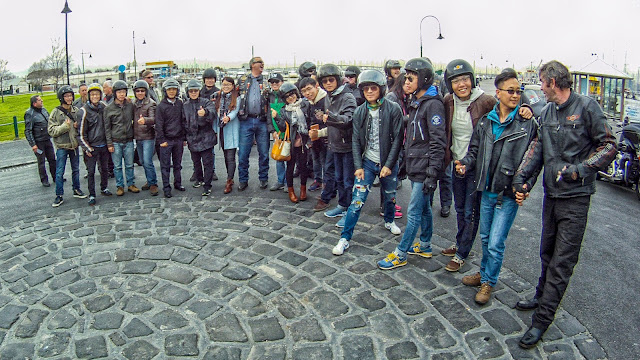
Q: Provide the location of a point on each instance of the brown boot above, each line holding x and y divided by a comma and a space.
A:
292, 195
484, 294
154, 190
229, 187
303, 192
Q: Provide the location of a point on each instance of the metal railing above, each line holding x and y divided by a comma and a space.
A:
15, 127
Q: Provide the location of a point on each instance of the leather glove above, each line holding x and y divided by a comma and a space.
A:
430, 182
570, 174
517, 188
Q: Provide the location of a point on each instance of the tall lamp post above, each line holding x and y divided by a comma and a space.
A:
135, 63
66, 12
84, 74
440, 37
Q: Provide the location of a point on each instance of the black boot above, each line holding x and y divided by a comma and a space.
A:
530, 338
526, 305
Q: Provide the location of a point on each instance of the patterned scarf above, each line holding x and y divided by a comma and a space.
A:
297, 116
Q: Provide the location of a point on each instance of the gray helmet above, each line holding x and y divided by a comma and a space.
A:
141, 84
424, 69
171, 84
329, 70
120, 85
391, 64
287, 88
352, 70
193, 84
372, 77
65, 89
456, 68
307, 69
209, 73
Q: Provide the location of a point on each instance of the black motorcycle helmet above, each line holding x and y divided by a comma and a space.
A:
209, 73
141, 84
352, 71
307, 69
120, 85
391, 64
373, 77
64, 89
424, 69
287, 88
329, 70
456, 68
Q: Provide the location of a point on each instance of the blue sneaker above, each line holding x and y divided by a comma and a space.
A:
417, 250
341, 222
392, 261
336, 212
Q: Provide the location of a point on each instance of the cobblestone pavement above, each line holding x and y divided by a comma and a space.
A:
247, 279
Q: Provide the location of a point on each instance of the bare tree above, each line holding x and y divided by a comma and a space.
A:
56, 61
5, 74
38, 74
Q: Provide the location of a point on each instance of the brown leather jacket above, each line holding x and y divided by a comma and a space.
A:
146, 108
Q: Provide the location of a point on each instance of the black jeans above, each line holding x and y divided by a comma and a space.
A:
563, 225
298, 156
99, 156
48, 154
203, 159
230, 162
467, 205
171, 156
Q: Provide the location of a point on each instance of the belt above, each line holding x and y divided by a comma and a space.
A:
253, 115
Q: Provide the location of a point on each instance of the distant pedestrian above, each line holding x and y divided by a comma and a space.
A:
171, 135
107, 89
36, 121
84, 96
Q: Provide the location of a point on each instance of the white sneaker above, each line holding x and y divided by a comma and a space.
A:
342, 245
395, 230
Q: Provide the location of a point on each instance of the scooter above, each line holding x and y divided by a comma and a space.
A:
625, 168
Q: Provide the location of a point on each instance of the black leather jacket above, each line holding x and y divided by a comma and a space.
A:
499, 158
244, 84
91, 129
574, 133
35, 125
200, 134
340, 105
169, 121
118, 122
390, 133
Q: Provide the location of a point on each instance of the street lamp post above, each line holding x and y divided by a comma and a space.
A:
84, 74
135, 63
66, 12
440, 37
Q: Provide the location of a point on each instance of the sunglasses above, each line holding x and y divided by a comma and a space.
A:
410, 78
291, 94
512, 91
149, 77
328, 80
367, 88
350, 76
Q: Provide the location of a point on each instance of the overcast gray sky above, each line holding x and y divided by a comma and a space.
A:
503, 33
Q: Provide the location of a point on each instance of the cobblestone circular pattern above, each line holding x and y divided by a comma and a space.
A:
247, 279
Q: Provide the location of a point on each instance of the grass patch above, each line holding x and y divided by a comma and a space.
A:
16, 105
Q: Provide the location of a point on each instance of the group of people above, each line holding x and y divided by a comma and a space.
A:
349, 130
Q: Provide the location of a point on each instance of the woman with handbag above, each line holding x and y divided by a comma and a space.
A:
226, 102
293, 116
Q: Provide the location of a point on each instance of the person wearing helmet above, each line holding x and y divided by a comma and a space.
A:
464, 107
118, 124
147, 76
424, 151
199, 114
392, 70
351, 79
209, 89
295, 116
93, 141
377, 135
36, 120
306, 70
84, 96
62, 127
337, 114
171, 136
226, 103
253, 125
273, 97
143, 131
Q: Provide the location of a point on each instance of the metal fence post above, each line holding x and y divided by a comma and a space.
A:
15, 127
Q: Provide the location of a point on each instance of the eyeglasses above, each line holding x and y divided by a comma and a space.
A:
460, 79
306, 90
194, 91
226, 84
149, 77
291, 94
410, 78
274, 81
367, 88
350, 76
328, 80
512, 91
141, 90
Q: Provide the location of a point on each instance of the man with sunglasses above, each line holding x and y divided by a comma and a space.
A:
351, 79
147, 76
253, 125
574, 142
339, 107
497, 146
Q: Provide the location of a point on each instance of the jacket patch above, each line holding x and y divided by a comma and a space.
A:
573, 117
436, 120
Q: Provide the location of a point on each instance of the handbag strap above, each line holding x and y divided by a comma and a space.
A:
286, 133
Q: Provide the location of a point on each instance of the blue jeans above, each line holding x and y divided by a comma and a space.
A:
361, 190
146, 148
281, 171
61, 162
329, 176
467, 204
418, 217
495, 222
123, 151
250, 129
344, 177
319, 155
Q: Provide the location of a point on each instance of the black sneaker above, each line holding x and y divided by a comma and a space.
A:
214, 177
57, 202
206, 192
167, 195
242, 186
46, 183
193, 177
106, 192
197, 184
77, 193
180, 188
264, 184
92, 200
